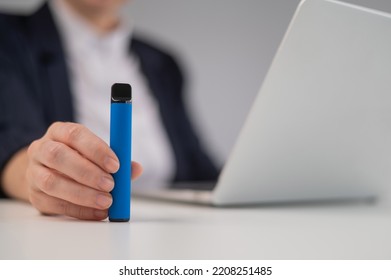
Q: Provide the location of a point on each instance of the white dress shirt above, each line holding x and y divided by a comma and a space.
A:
95, 62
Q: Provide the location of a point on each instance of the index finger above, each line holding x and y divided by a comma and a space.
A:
86, 143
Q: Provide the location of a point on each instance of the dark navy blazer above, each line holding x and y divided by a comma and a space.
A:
35, 91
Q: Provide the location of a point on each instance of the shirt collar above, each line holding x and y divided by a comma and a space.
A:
80, 36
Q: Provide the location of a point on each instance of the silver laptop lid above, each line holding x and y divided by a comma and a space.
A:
320, 126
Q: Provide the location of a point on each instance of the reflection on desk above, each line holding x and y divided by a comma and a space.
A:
161, 230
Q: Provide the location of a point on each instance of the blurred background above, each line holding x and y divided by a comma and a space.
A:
225, 48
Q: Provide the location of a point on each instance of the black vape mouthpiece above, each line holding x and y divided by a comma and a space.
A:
121, 93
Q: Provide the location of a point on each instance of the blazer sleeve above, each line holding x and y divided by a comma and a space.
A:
196, 164
21, 119
166, 81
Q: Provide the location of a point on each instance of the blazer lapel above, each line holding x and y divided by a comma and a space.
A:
49, 57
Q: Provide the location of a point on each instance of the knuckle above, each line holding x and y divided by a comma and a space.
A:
73, 133
66, 208
28, 173
47, 182
73, 210
96, 150
77, 196
55, 126
86, 177
35, 199
32, 148
63, 207
53, 151
80, 212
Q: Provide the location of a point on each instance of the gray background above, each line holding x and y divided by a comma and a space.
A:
225, 47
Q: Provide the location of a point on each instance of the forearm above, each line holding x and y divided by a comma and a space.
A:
13, 177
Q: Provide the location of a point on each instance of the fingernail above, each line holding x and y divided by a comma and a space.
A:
106, 183
103, 201
111, 165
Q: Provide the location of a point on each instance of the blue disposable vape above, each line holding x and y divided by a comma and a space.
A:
120, 143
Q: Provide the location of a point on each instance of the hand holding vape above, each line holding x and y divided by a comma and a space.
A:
120, 143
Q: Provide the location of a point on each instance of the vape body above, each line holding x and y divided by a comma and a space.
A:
120, 143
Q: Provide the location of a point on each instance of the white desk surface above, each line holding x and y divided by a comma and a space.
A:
160, 230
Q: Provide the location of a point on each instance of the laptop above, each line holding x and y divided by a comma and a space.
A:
320, 126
